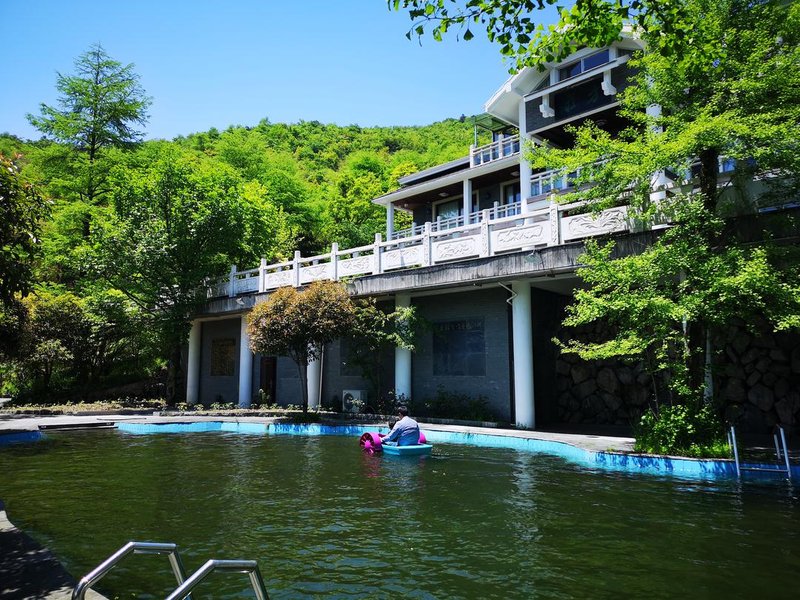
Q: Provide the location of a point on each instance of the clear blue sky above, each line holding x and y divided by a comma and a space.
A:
213, 64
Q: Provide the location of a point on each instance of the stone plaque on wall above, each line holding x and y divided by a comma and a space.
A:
223, 357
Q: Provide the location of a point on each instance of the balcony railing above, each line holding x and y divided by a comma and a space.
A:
502, 148
490, 232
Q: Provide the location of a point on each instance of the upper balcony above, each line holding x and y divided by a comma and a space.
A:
497, 150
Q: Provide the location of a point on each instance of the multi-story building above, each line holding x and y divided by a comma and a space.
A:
489, 262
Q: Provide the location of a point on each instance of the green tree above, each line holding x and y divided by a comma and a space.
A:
99, 108
512, 24
376, 332
22, 210
298, 324
177, 220
734, 93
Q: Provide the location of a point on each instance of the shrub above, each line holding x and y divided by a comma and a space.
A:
454, 405
680, 430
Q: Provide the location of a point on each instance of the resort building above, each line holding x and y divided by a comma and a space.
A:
490, 264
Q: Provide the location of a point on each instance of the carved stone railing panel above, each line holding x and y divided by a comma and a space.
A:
587, 225
356, 266
465, 247
315, 273
402, 258
514, 238
278, 279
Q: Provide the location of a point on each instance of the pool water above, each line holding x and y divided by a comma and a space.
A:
323, 519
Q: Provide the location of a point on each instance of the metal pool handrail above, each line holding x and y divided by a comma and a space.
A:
104, 567
239, 566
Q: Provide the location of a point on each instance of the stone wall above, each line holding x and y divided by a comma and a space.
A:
756, 377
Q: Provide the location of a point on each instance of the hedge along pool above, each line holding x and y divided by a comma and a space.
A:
324, 519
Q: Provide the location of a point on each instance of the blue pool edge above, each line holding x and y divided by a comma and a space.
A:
692, 468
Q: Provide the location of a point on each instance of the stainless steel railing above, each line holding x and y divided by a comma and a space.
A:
185, 586
237, 566
104, 567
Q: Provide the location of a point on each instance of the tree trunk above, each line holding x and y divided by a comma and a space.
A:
303, 367
175, 387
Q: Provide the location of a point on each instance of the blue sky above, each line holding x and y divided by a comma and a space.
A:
214, 64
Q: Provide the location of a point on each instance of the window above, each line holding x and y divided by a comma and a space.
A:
223, 357
458, 348
511, 193
349, 359
584, 64
447, 210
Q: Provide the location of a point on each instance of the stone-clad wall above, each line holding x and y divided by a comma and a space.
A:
756, 376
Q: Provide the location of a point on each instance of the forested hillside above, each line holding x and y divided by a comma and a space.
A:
130, 228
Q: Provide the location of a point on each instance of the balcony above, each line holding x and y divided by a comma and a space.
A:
502, 148
490, 232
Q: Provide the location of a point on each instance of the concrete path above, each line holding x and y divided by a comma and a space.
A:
585, 440
27, 570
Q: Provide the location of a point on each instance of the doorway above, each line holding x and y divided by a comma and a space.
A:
268, 378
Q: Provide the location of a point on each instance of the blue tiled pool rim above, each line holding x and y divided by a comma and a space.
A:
612, 461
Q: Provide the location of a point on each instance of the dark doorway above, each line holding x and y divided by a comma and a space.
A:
268, 380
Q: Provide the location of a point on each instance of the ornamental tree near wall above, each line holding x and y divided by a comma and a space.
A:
298, 324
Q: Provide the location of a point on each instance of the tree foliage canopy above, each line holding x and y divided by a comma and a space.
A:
526, 41
98, 107
22, 210
298, 324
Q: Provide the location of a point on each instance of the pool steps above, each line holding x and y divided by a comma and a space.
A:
185, 584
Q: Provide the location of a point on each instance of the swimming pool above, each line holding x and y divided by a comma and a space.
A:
324, 519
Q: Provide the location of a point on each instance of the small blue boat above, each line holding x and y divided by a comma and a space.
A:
414, 450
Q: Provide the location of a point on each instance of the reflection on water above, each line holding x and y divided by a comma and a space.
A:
325, 519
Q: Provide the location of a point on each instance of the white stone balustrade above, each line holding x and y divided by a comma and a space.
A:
487, 235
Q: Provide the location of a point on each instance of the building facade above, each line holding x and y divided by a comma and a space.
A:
489, 263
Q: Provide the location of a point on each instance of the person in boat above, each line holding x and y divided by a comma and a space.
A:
405, 432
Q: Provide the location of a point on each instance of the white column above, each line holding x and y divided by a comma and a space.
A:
523, 354
245, 366
524, 165
389, 221
193, 364
402, 357
467, 201
313, 373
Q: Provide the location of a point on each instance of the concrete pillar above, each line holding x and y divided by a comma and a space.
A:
314, 383
524, 165
245, 366
402, 357
193, 364
523, 354
389, 221
467, 200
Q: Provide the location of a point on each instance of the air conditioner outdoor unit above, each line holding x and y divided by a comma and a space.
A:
353, 400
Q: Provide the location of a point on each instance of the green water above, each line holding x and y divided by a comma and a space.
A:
325, 520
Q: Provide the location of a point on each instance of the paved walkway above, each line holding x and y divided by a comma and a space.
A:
585, 440
27, 570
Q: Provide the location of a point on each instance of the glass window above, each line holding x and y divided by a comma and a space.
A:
458, 348
595, 60
511, 193
223, 357
447, 210
586, 63
569, 71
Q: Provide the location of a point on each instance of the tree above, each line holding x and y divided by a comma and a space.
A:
734, 93
512, 24
22, 210
98, 108
177, 220
377, 331
298, 324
